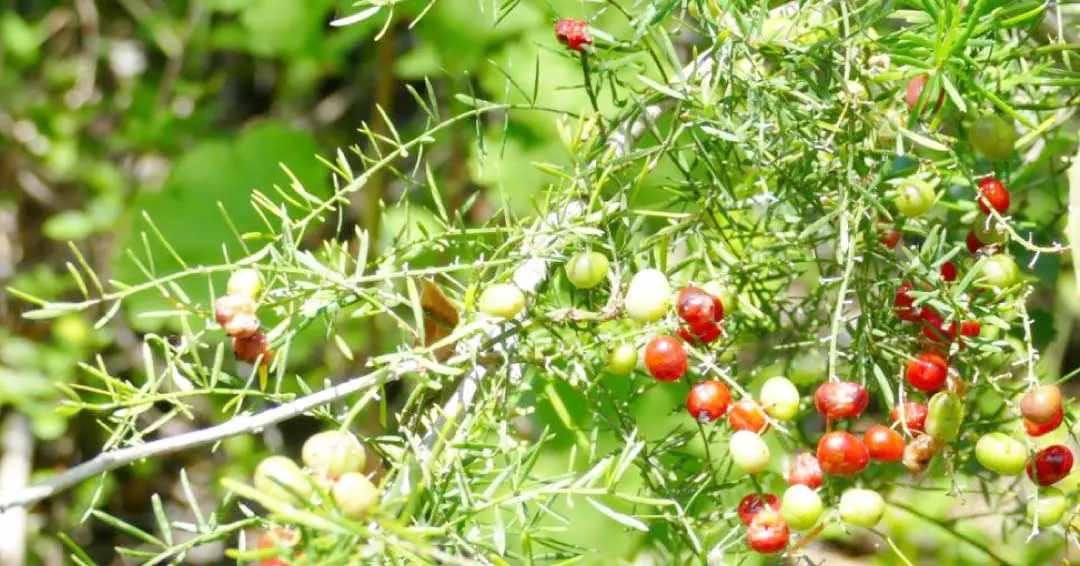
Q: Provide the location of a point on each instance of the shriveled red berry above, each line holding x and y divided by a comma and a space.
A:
229, 306
574, 34
993, 194
841, 399
933, 326
806, 470
753, 503
890, 237
948, 271
973, 242
913, 417
903, 301
914, 90
708, 400
665, 358
696, 307
242, 325
927, 372
1051, 465
841, 453
747, 414
250, 348
919, 452
884, 444
1041, 404
1038, 429
767, 533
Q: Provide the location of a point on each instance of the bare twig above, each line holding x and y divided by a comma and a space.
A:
108, 461
18, 446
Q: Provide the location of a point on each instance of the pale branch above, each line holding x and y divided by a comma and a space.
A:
108, 461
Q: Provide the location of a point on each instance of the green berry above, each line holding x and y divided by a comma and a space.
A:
862, 507
245, 282
649, 295
623, 359
333, 453
945, 413
502, 300
780, 398
586, 270
749, 452
993, 137
1048, 507
914, 198
989, 230
274, 471
801, 507
1001, 454
998, 271
354, 495
808, 366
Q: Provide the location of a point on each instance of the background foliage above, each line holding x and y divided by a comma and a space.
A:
142, 131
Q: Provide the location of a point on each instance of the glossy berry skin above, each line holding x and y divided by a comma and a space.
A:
586, 270
1001, 454
945, 414
648, 296
861, 507
841, 453
890, 237
927, 372
841, 399
700, 334
708, 400
948, 272
998, 271
913, 417
767, 533
780, 398
574, 34
748, 452
806, 470
622, 359
748, 415
914, 90
354, 495
1051, 465
697, 308
801, 507
973, 242
753, 503
1042, 404
332, 453
903, 301
993, 194
1034, 429
665, 358
968, 329
914, 198
993, 137
501, 300
246, 283
884, 444
933, 326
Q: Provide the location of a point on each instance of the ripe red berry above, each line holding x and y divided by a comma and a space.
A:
973, 242
708, 400
884, 444
933, 326
572, 33
968, 329
1035, 429
1041, 404
914, 90
805, 470
993, 194
753, 503
748, 415
948, 271
841, 399
927, 372
767, 533
841, 453
697, 308
665, 358
1052, 464
890, 237
914, 416
250, 348
903, 301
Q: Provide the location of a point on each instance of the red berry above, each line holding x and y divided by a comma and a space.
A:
903, 301
841, 453
708, 400
884, 444
1052, 464
1038, 429
993, 194
697, 307
767, 533
933, 325
707, 333
948, 271
914, 90
890, 237
753, 503
748, 415
805, 470
841, 399
1041, 404
572, 33
914, 416
968, 329
927, 372
228, 306
250, 348
665, 358
973, 243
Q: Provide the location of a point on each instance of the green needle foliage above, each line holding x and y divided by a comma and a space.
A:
754, 149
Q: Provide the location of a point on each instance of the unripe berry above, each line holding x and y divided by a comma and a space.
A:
1001, 454
914, 198
586, 270
623, 359
332, 453
749, 452
284, 471
993, 137
801, 507
648, 296
808, 366
246, 283
1048, 507
780, 398
354, 495
862, 507
1041, 404
502, 300
945, 414
229, 306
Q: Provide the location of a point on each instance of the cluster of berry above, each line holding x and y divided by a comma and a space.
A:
235, 312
